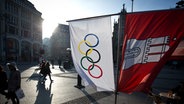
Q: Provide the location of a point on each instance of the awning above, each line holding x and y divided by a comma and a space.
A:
178, 54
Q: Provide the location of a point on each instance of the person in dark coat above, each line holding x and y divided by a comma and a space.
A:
59, 62
42, 71
14, 82
47, 71
3, 82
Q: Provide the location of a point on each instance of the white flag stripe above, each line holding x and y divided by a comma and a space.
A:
91, 46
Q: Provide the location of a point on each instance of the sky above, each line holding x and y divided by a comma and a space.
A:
56, 12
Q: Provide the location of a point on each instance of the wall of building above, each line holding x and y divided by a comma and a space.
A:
59, 42
21, 31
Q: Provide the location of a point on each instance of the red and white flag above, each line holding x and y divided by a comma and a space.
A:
150, 39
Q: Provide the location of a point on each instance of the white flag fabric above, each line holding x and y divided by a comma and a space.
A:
91, 47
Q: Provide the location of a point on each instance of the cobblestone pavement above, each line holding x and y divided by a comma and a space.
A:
62, 90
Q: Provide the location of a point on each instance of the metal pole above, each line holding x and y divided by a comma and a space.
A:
120, 34
132, 5
5, 43
79, 82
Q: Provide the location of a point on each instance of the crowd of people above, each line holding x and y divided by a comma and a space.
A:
11, 82
9, 85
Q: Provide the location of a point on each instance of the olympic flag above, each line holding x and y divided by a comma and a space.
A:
150, 39
91, 47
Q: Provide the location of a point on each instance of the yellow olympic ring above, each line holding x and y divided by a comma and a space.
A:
81, 50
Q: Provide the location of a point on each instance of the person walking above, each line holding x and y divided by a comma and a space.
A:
3, 81
47, 71
42, 71
14, 82
59, 62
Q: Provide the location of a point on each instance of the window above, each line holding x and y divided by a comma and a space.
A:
12, 30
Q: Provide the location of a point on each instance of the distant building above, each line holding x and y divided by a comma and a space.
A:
118, 34
46, 48
20, 31
178, 53
115, 41
60, 42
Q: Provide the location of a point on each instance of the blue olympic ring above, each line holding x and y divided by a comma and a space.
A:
91, 45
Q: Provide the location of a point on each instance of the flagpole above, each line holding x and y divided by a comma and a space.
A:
121, 26
132, 5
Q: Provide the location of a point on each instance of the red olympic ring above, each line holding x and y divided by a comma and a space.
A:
93, 75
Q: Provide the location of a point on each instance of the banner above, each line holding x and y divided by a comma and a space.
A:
91, 47
150, 39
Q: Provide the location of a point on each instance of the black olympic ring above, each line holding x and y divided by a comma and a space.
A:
92, 60
90, 45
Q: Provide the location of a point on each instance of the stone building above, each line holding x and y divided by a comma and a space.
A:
60, 43
20, 31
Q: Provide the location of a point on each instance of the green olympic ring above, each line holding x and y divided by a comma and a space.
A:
88, 58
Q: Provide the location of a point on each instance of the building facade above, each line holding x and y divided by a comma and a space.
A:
60, 43
20, 31
118, 34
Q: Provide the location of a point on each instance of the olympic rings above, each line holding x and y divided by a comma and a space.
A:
101, 72
87, 53
89, 45
81, 50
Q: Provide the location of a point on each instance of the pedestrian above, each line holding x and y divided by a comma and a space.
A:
14, 82
3, 82
42, 70
42, 63
47, 71
59, 62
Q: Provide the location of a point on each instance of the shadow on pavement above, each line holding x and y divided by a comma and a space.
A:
90, 98
35, 75
44, 93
